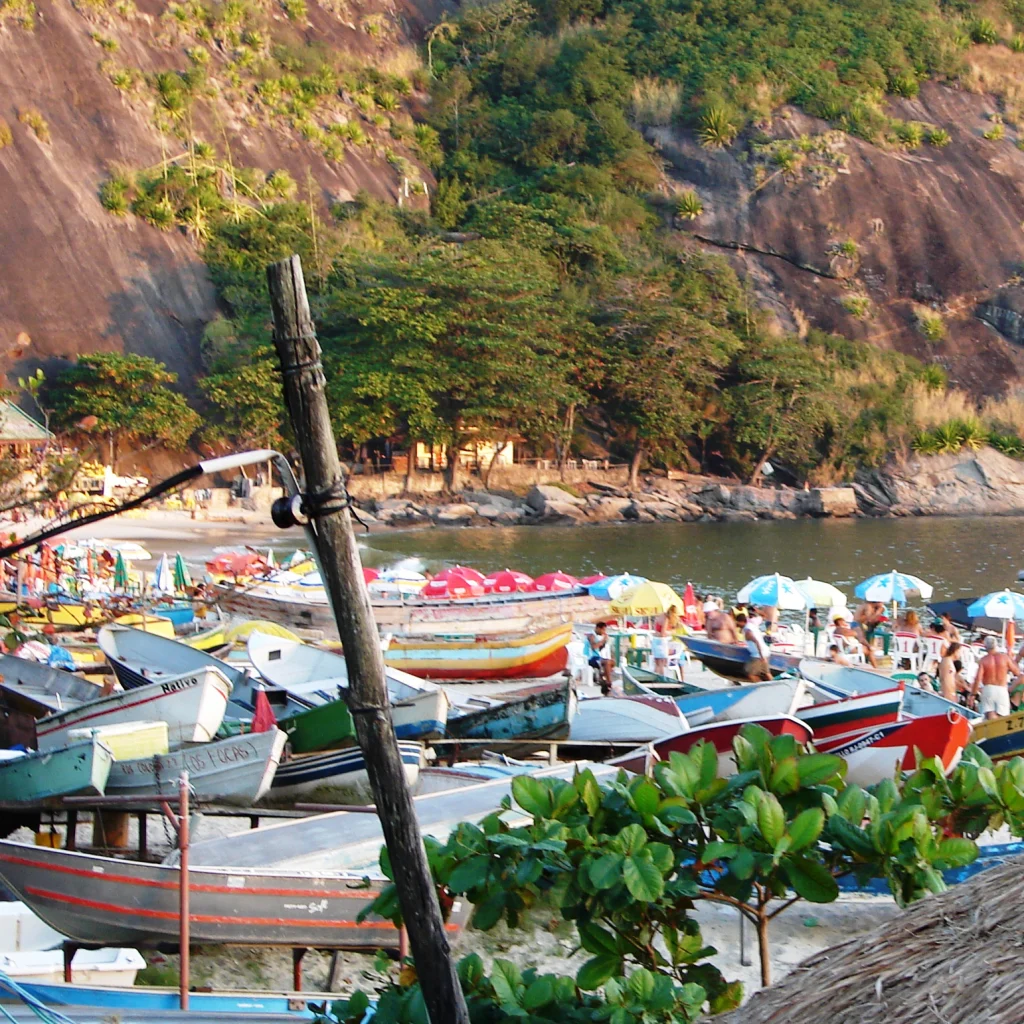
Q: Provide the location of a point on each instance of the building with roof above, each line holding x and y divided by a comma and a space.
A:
19, 432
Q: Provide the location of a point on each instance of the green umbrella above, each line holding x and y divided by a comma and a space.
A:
120, 573
182, 578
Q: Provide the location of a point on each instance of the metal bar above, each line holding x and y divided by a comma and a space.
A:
297, 956
184, 935
330, 808
72, 827
143, 835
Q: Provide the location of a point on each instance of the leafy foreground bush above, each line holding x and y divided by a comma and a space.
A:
627, 861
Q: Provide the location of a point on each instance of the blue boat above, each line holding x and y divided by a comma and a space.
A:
149, 998
730, 660
81, 769
756, 700
331, 769
543, 712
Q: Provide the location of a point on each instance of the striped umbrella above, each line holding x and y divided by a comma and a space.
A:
892, 586
182, 577
1003, 604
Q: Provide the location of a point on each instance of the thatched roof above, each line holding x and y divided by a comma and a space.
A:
948, 959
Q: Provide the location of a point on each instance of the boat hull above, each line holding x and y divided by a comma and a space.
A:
327, 727
546, 714
192, 706
40, 690
238, 770
850, 714
741, 703
875, 754
337, 769
626, 719
81, 769
126, 903
530, 657
729, 660
1000, 737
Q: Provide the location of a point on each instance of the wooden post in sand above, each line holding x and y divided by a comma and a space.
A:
326, 504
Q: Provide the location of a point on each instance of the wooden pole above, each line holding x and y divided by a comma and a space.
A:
299, 352
184, 924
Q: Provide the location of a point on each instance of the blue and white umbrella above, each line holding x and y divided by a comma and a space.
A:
163, 578
773, 591
613, 587
1002, 604
892, 586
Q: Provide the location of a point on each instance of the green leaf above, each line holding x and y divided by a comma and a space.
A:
595, 939
806, 827
533, 795
641, 984
469, 874
853, 803
643, 879
718, 851
606, 871
742, 865
597, 970
645, 797
662, 856
590, 792
632, 838
956, 853
487, 914
729, 998
853, 837
708, 766
540, 993
771, 818
506, 979
815, 769
785, 777
811, 879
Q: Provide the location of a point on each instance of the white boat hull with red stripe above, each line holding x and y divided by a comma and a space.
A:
192, 705
851, 714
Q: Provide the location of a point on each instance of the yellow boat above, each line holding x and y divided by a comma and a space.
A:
1000, 737
155, 624
56, 613
532, 656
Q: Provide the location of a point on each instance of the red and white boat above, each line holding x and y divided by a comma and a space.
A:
876, 753
721, 734
844, 715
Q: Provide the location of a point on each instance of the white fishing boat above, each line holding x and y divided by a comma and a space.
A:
334, 770
626, 719
192, 706
419, 709
238, 770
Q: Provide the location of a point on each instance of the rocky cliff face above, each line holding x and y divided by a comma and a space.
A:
936, 231
77, 279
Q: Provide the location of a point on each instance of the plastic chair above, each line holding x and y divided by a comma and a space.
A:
933, 648
906, 647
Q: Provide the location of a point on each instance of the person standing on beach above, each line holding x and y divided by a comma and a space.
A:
721, 627
601, 659
951, 683
991, 680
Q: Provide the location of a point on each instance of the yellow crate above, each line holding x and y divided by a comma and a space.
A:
130, 740
52, 839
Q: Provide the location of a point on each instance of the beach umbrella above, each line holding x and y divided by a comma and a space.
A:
163, 578
271, 563
452, 586
396, 574
462, 571
1003, 604
649, 598
821, 595
551, 582
892, 586
120, 573
693, 614
772, 591
508, 581
369, 575
182, 577
613, 587
589, 581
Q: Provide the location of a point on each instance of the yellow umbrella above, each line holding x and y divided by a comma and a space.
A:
648, 598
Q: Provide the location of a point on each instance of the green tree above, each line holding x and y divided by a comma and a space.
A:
460, 343
660, 358
781, 401
129, 398
247, 400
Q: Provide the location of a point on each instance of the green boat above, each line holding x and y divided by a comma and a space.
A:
80, 769
327, 727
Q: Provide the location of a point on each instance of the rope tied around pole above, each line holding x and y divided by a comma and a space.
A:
317, 504
297, 369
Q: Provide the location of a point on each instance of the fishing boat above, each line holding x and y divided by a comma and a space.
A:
532, 656
418, 710
105, 901
543, 712
720, 734
741, 703
327, 727
80, 769
192, 706
444, 778
875, 754
237, 770
626, 719
309, 609
51, 610
337, 770
730, 660
40, 690
1000, 738
837, 716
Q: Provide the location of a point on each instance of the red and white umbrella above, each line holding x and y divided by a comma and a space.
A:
453, 585
462, 571
596, 578
507, 581
369, 575
552, 581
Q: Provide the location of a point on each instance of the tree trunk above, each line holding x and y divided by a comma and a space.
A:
367, 696
410, 467
490, 465
763, 948
634, 466
451, 468
755, 476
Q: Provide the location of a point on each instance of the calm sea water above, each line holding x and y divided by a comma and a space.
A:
960, 557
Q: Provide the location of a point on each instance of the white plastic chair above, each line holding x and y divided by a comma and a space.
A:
579, 664
907, 647
933, 648
969, 660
